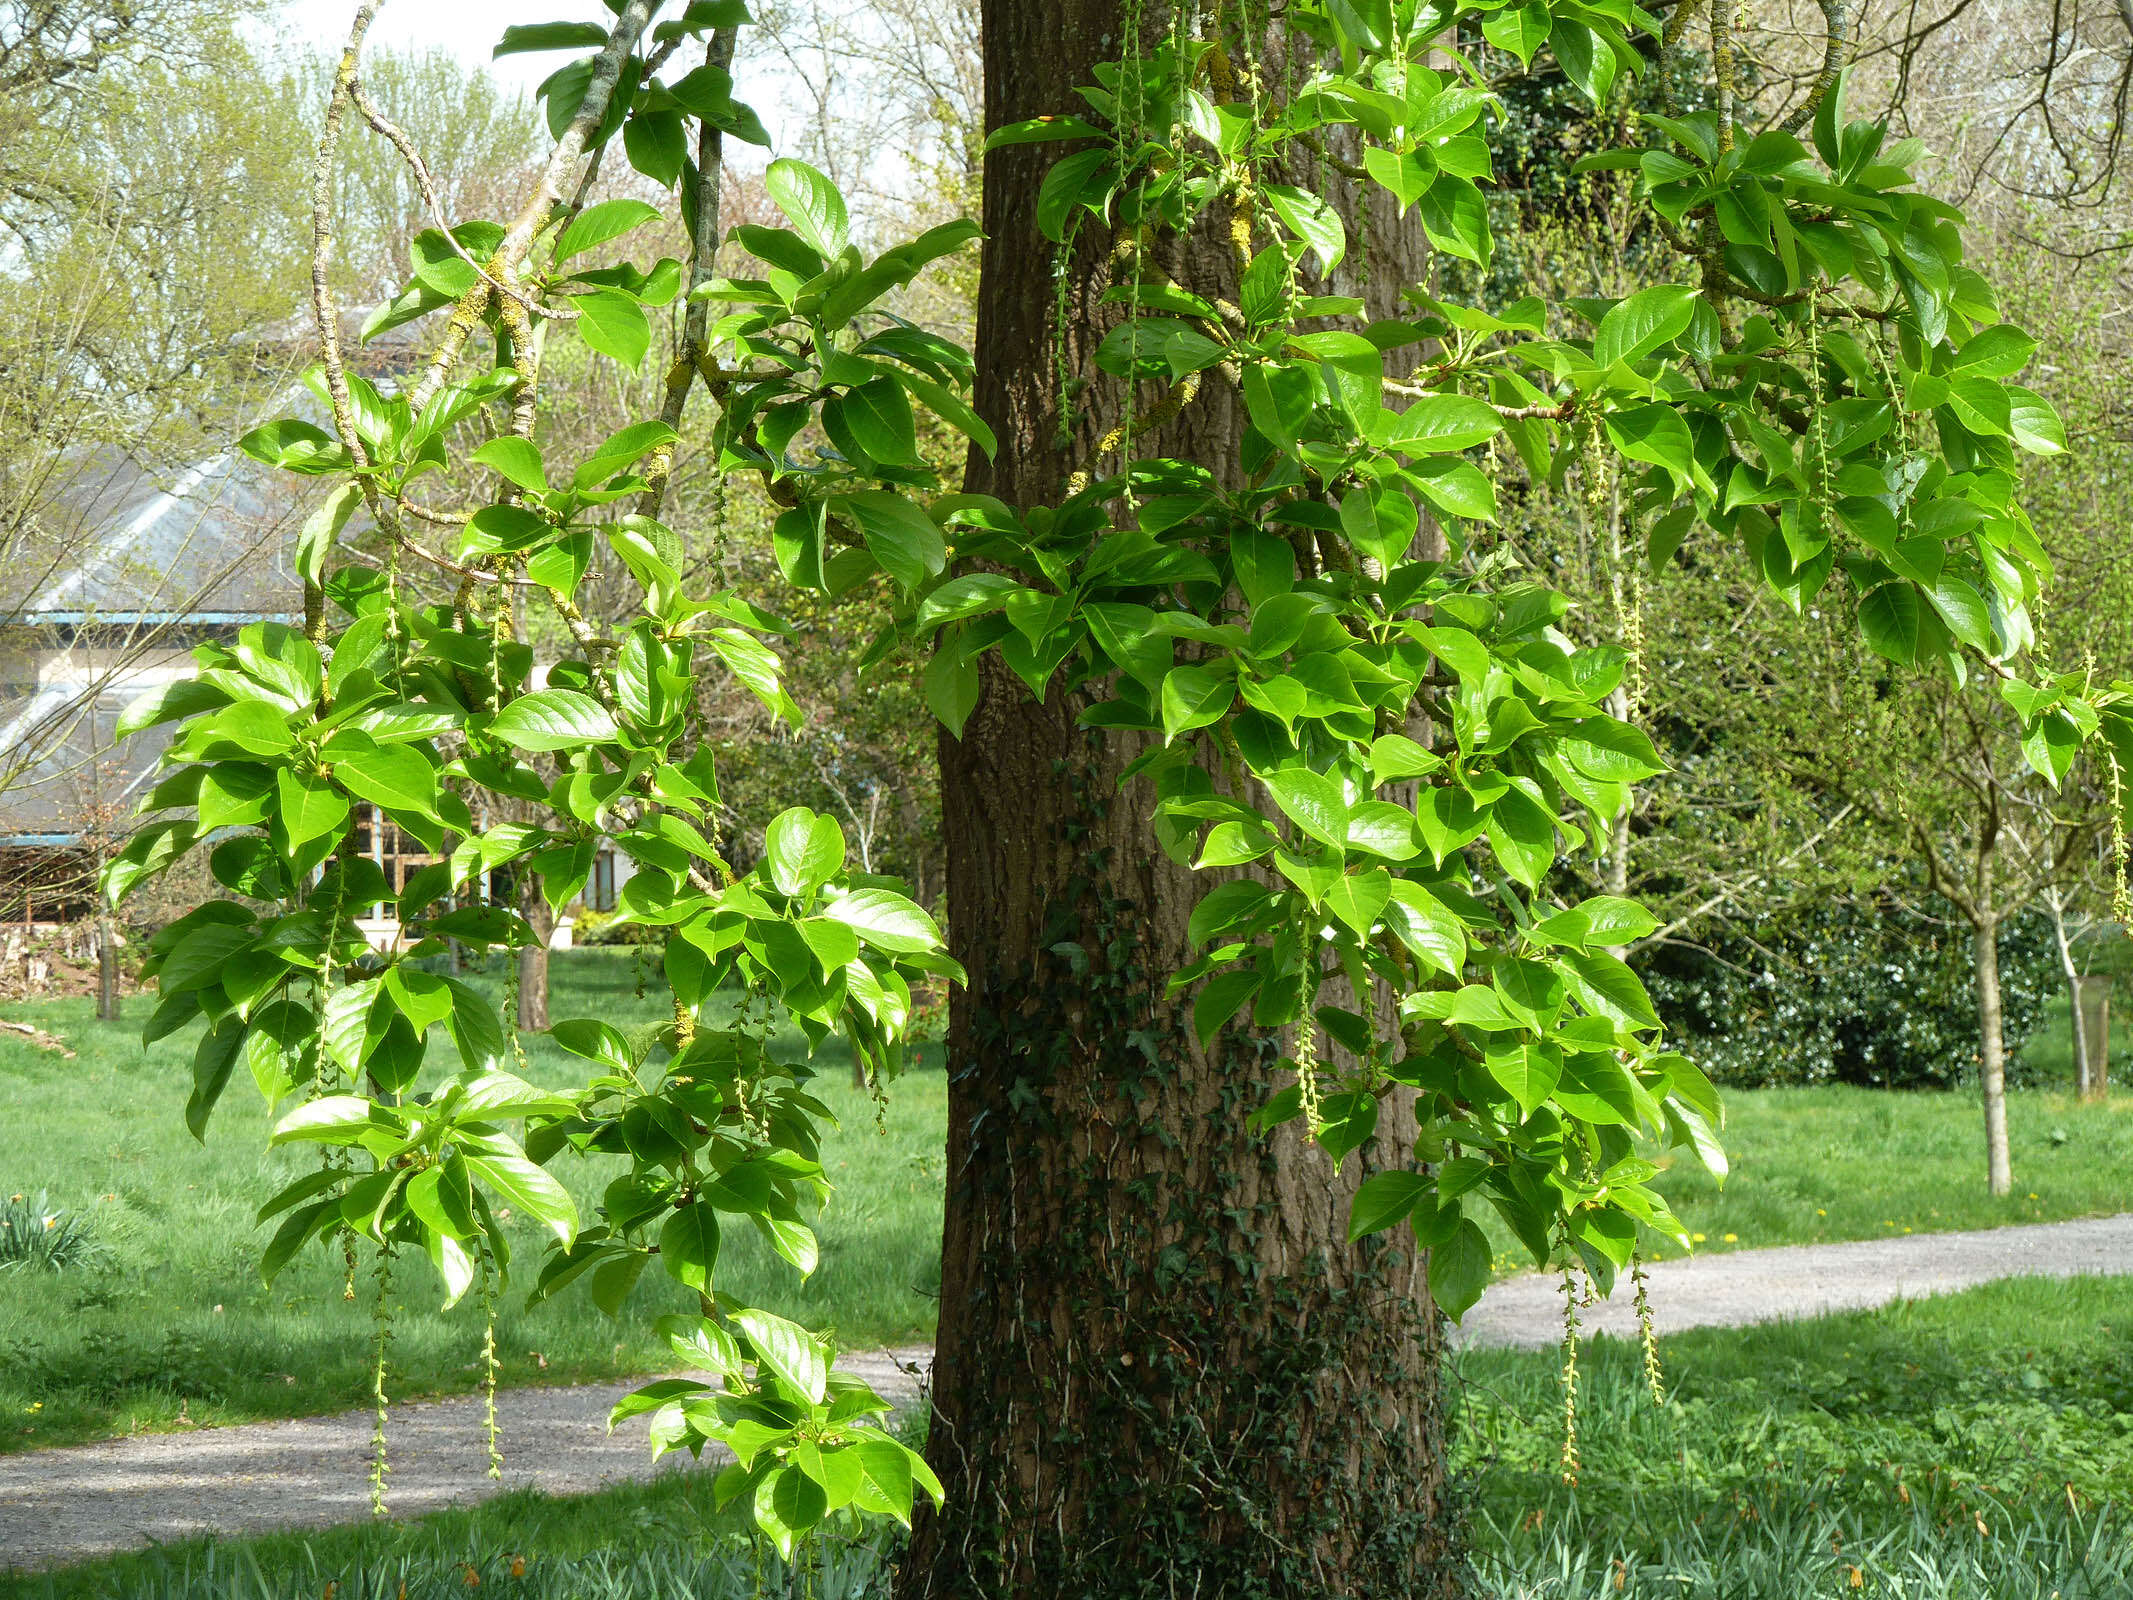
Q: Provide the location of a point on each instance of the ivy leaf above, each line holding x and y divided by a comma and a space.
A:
553, 719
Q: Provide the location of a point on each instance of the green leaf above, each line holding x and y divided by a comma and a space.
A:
309, 810
530, 36
1358, 898
1039, 130
322, 530
1422, 922
600, 224
515, 460
596, 1041
1193, 697
812, 202
1527, 1073
1459, 1269
1384, 1199
1456, 218
886, 920
1642, 323
1438, 422
1311, 220
1521, 31
901, 536
1602, 920
874, 420
525, 1187
1522, 833
1312, 801
1221, 998
804, 850
553, 719
392, 776
789, 1351
614, 324
688, 1245
1889, 620
212, 1061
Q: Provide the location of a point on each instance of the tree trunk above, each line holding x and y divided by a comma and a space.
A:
1992, 1056
2056, 904
2092, 1004
533, 958
1161, 1370
108, 1000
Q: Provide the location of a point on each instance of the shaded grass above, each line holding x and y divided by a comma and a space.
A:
171, 1320
1972, 1447
1975, 1445
174, 1322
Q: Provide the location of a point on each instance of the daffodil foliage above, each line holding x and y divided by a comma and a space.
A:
1377, 745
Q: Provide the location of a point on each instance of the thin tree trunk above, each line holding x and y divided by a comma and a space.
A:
2057, 905
533, 958
1992, 1056
1160, 1370
108, 1000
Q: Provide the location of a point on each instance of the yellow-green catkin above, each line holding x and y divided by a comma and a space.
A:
1654, 1379
1570, 1374
492, 1435
382, 1319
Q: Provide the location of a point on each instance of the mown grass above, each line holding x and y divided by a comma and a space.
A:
1973, 1447
171, 1319
168, 1319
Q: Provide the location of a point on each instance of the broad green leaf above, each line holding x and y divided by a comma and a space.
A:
524, 1187
1459, 1270
602, 223
688, 1245
804, 850
1642, 323
614, 324
812, 202
886, 920
789, 1351
1193, 697
902, 537
553, 719
1444, 422
1312, 801
1384, 1199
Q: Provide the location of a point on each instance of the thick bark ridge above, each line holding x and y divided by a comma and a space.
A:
1161, 1369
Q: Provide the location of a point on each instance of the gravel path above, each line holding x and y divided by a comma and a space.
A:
58, 1506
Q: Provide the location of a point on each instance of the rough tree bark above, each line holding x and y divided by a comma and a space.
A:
1160, 1368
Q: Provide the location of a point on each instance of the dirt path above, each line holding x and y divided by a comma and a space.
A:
58, 1506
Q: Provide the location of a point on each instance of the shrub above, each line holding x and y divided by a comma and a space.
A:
1877, 995
32, 1234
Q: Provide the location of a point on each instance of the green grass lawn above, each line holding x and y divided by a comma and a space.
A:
1973, 1447
170, 1318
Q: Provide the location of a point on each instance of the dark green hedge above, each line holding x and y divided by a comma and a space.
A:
1875, 995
